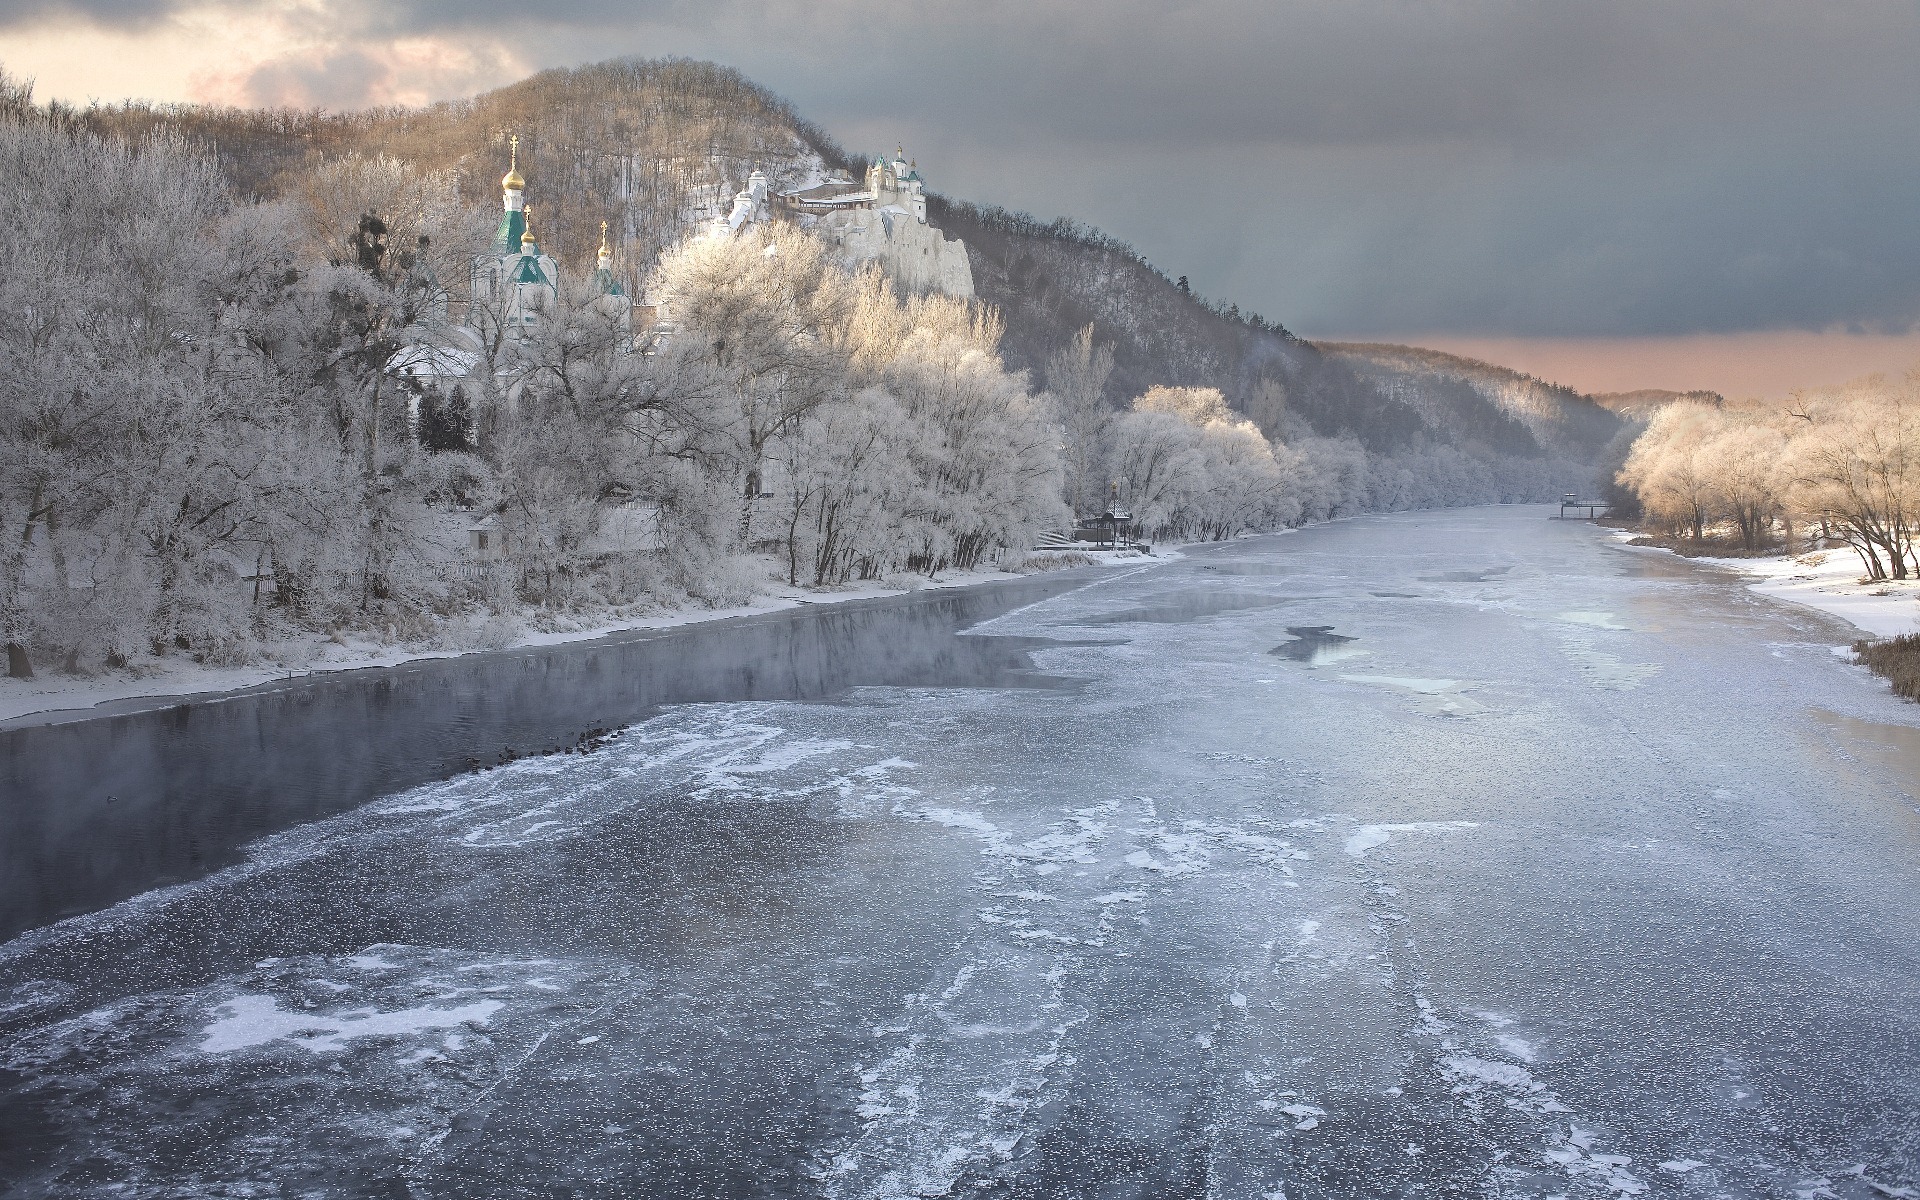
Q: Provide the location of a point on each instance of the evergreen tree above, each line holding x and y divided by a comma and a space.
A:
445, 422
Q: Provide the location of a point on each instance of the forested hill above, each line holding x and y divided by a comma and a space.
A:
1051, 278
1498, 406
661, 144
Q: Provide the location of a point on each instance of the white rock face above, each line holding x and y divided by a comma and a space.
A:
918, 256
883, 219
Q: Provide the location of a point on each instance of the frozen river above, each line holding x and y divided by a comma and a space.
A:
1446, 854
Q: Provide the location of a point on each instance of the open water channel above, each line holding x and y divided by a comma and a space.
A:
1444, 854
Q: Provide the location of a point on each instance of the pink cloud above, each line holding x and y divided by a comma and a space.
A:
412, 72
1737, 365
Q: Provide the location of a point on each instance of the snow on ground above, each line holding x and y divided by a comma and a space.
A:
1832, 581
168, 677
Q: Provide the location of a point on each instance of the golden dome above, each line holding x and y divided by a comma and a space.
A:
526, 235
606, 251
511, 181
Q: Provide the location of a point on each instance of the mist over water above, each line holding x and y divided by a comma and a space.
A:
174, 789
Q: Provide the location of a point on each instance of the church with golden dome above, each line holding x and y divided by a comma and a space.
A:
515, 284
515, 288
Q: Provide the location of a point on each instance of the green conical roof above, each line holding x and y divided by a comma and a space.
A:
513, 223
528, 271
606, 284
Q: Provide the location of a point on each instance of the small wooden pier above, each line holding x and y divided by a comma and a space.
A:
1573, 508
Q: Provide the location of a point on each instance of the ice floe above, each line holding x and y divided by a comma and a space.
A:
246, 1022
1370, 837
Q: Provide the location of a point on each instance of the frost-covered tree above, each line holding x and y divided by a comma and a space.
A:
766, 312
1843, 461
984, 452
935, 458
1077, 375
1669, 470
852, 497
1196, 406
119, 484
1856, 466
1192, 469
1748, 463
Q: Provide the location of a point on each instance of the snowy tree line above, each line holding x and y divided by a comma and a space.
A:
1191, 468
1841, 464
207, 452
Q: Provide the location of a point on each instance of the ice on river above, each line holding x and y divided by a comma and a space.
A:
1199, 922
248, 1021
1368, 837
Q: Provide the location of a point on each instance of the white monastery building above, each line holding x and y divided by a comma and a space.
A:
882, 219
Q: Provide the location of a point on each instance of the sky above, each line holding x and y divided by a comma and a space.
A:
1630, 193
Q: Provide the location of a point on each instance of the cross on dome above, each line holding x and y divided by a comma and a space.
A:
512, 181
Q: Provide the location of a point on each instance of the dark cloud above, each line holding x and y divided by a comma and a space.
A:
1351, 166
118, 14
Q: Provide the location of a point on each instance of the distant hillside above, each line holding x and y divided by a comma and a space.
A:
1473, 398
655, 147
1642, 404
1052, 278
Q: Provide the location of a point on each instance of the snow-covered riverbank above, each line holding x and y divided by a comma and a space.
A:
180, 676
1829, 580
